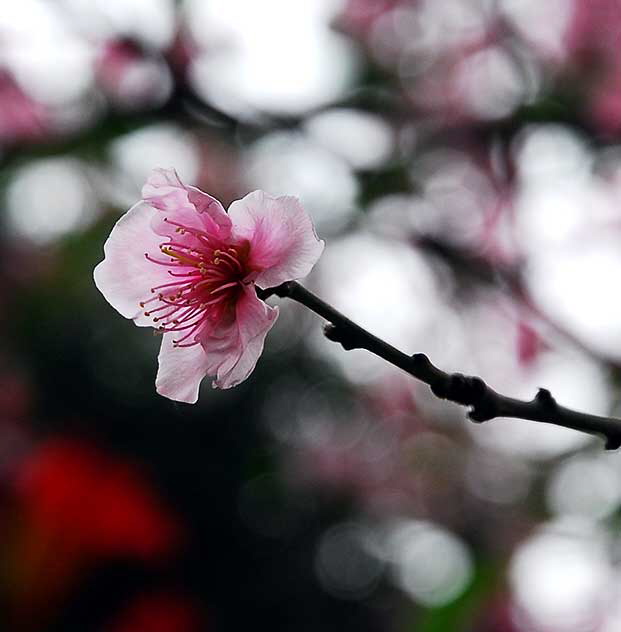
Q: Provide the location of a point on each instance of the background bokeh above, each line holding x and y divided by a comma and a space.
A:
462, 160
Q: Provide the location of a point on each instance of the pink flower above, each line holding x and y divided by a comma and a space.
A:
178, 262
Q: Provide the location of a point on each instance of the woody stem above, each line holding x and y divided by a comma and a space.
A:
484, 402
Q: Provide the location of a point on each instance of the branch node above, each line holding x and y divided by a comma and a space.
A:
613, 442
545, 399
347, 339
420, 362
482, 412
441, 388
462, 389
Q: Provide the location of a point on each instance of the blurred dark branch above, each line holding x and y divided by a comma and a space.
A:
484, 402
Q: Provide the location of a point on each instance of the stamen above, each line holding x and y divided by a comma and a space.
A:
143, 303
221, 288
204, 278
216, 300
156, 319
180, 256
157, 309
162, 263
173, 284
190, 229
191, 344
232, 258
190, 313
185, 337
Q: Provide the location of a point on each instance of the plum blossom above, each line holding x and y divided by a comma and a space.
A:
177, 261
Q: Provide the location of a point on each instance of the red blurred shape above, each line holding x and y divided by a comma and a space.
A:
98, 503
161, 612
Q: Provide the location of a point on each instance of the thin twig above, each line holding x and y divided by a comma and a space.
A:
484, 402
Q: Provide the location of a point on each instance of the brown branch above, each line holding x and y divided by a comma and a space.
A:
484, 402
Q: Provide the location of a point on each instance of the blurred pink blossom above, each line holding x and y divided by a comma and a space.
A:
130, 77
21, 118
594, 30
605, 104
592, 39
359, 16
194, 267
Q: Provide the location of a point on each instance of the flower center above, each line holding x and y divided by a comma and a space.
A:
208, 276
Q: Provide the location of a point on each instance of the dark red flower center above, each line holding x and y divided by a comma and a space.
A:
208, 274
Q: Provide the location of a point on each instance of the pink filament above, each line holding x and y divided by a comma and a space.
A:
208, 283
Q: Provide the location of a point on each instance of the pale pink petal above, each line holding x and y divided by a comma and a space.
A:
185, 205
283, 243
212, 208
181, 370
233, 353
164, 190
125, 277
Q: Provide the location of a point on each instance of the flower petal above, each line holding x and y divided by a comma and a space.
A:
283, 243
185, 205
233, 352
125, 277
164, 191
229, 354
212, 208
181, 370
